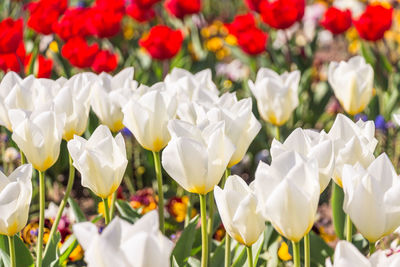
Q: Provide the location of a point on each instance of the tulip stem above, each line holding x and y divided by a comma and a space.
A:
106, 211
250, 256
23, 159
277, 133
371, 248
112, 207
307, 250
63, 203
204, 242
349, 230
12, 251
157, 166
210, 219
227, 237
337, 210
39, 248
296, 253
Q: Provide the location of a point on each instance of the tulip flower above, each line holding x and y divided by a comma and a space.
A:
276, 94
237, 206
352, 83
353, 143
101, 160
371, 197
312, 145
124, 245
105, 89
15, 200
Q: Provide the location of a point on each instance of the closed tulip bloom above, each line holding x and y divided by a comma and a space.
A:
101, 160
38, 135
372, 197
73, 100
288, 191
197, 157
312, 145
147, 117
125, 245
237, 205
15, 199
104, 102
353, 143
276, 94
352, 82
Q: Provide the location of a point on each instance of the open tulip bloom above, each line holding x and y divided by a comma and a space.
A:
372, 197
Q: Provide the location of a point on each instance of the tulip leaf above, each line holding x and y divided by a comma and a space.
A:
337, 210
79, 215
52, 252
240, 256
22, 253
4, 259
320, 250
67, 248
184, 245
127, 212
217, 258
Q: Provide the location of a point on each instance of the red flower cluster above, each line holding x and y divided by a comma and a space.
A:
141, 10
162, 42
79, 53
336, 21
44, 14
281, 14
181, 8
73, 23
105, 18
12, 49
251, 39
374, 22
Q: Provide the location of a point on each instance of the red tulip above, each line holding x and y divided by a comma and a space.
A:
77, 51
253, 41
45, 66
73, 23
336, 21
45, 13
105, 23
10, 35
140, 14
162, 42
254, 4
374, 22
241, 23
145, 4
181, 8
13, 61
117, 6
281, 14
105, 61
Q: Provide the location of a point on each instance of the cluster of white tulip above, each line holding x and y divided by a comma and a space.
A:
202, 135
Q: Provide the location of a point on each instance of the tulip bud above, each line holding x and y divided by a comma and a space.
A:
352, 83
101, 160
276, 94
371, 197
237, 206
15, 199
288, 191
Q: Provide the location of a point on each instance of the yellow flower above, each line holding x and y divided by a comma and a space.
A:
100, 206
326, 236
283, 252
53, 47
214, 44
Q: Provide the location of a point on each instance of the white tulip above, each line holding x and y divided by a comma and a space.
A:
353, 143
196, 158
124, 245
104, 103
288, 191
38, 135
237, 206
310, 144
277, 95
372, 197
101, 160
147, 117
352, 83
15, 199
74, 100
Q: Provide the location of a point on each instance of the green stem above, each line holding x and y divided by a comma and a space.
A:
371, 248
277, 133
307, 250
157, 166
112, 207
349, 230
12, 251
227, 250
249, 256
204, 242
39, 248
338, 215
211, 206
106, 211
227, 173
34, 54
296, 253
23, 159
63, 203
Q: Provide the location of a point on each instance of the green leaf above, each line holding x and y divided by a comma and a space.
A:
79, 215
126, 211
52, 252
22, 253
337, 210
218, 257
67, 248
184, 245
240, 255
319, 250
367, 54
4, 259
